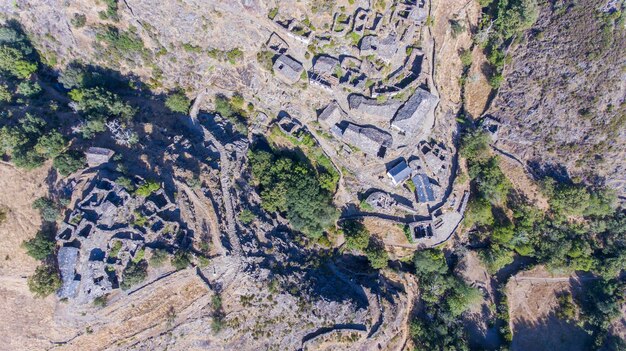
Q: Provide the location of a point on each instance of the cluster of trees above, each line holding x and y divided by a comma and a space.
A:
445, 298
41, 247
501, 22
582, 230
293, 188
358, 238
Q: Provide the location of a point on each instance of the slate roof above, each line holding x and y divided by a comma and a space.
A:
423, 188
331, 114
369, 139
399, 173
325, 65
373, 107
288, 69
384, 48
411, 116
98, 155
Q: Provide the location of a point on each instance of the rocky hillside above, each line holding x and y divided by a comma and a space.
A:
562, 102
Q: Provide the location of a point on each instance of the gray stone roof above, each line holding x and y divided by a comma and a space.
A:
399, 173
288, 69
98, 155
369, 139
373, 107
411, 116
325, 65
383, 48
331, 114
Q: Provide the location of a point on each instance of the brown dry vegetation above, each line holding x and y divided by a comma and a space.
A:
533, 301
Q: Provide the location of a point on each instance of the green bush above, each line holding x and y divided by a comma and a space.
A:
178, 102
28, 89
69, 162
78, 20
181, 260
265, 58
47, 208
147, 188
246, 216
45, 281
357, 236
15, 63
234, 55
158, 258
39, 247
466, 58
376, 254
134, 274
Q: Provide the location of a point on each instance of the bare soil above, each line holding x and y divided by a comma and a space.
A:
532, 308
27, 320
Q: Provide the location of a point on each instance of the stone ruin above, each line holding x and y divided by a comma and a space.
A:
109, 228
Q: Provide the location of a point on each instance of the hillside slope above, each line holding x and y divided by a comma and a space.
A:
562, 103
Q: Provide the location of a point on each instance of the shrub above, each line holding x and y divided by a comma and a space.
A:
147, 188
178, 102
265, 58
246, 216
100, 301
45, 281
466, 58
5, 94
78, 20
47, 208
357, 236
234, 55
158, 258
39, 247
134, 273
3, 215
15, 63
69, 162
181, 260
28, 89
376, 254
457, 28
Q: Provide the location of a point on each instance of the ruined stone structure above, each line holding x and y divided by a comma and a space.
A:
107, 230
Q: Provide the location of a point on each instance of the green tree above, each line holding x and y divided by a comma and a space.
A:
47, 208
134, 273
39, 247
462, 298
15, 63
376, 254
44, 281
181, 260
69, 162
51, 144
430, 262
178, 102
158, 258
356, 234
